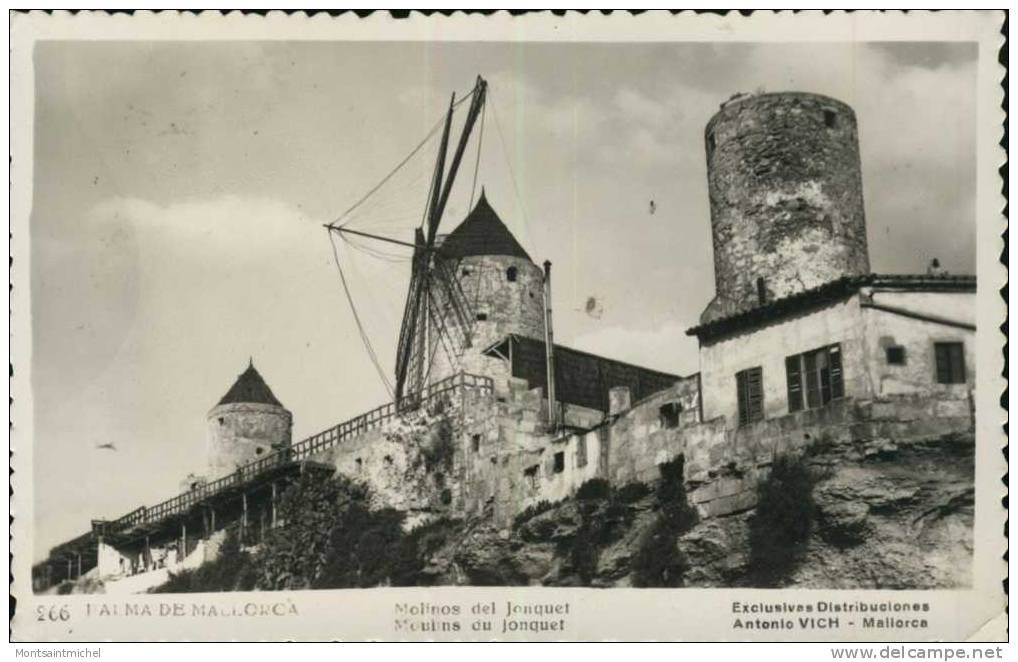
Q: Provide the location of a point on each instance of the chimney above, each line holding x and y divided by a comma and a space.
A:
620, 400
549, 348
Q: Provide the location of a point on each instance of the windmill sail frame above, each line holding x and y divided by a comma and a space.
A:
437, 313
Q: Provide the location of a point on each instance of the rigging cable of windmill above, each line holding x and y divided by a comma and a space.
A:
438, 316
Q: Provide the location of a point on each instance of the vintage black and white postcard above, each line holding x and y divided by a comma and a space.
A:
580, 327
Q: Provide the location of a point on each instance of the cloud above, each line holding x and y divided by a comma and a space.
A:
214, 281
928, 55
226, 273
640, 108
214, 227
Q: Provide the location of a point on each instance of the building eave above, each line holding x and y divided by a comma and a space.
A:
827, 293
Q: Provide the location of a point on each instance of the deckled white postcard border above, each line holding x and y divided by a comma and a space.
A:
594, 614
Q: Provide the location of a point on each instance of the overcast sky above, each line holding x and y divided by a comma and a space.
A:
180, 190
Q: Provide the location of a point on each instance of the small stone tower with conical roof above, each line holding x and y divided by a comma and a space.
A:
502, 284
248, 423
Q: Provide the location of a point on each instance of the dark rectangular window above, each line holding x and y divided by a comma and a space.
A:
668, 414
749, 384
530, 476
895, 355
581, 451
817, 373
950, 358
476, 442
560, 462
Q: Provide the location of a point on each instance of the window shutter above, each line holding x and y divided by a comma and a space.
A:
756, 394
793, 373
957, 363
837, 378
812, 383
740, 385
943, 363
749, 388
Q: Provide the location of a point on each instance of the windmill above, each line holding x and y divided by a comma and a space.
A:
437, 316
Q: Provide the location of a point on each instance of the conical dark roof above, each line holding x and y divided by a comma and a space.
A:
482, 232
250, 388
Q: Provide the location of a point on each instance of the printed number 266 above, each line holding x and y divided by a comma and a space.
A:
53, 613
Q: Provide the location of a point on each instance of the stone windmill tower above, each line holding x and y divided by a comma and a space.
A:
786, 201
503, 286
468, 288
247, 423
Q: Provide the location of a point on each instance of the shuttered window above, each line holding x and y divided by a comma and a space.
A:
950, 358
812, 380
837, 380
749, 385
793, 370
817, 373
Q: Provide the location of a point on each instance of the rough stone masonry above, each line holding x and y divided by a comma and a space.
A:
785, 187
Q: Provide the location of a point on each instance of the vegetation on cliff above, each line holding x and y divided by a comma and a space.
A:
232, 570
329, 537
659, 561
781, 525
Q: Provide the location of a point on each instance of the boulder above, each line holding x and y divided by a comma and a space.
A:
717, 551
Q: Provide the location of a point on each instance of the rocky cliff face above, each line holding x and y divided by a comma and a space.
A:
899, 519
886, 517
867, 515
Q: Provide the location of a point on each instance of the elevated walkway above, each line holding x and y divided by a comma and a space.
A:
72, 558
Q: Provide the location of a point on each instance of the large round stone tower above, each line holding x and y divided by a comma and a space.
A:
786, 198
248, 423
499, 280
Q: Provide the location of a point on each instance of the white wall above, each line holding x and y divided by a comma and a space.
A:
115, 583
556, 486
918, 375
767, 346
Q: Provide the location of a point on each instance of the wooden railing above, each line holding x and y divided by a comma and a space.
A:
300, 451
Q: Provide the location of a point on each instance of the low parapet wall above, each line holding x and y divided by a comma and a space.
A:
531, 465
500, 459
724, 467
